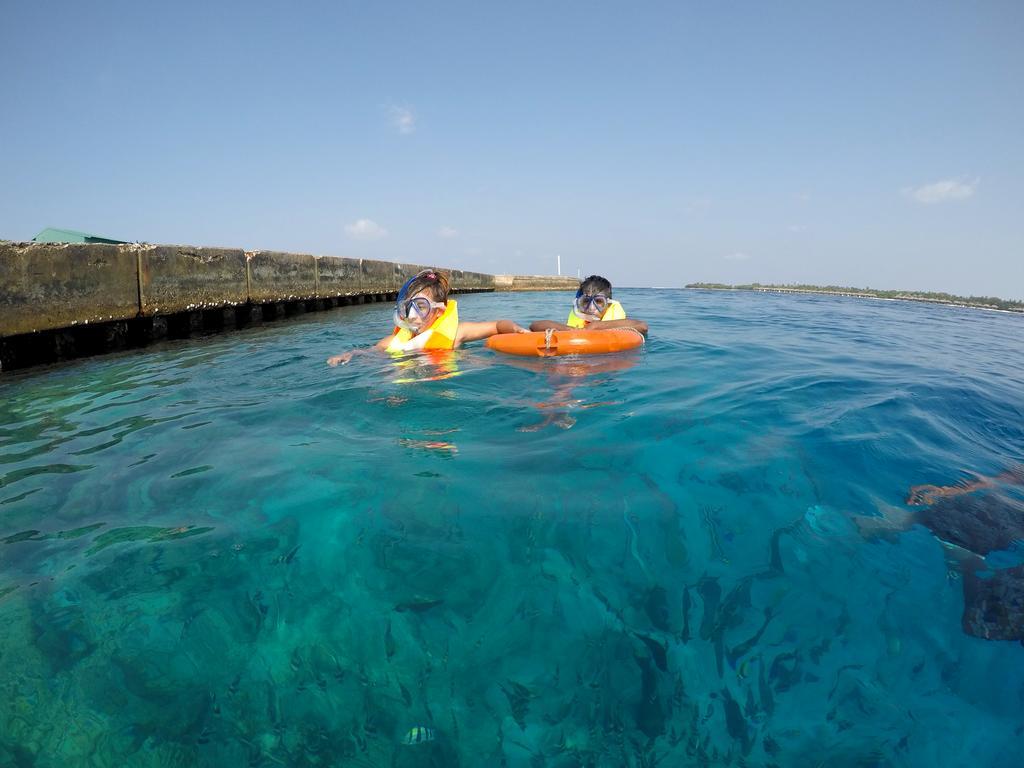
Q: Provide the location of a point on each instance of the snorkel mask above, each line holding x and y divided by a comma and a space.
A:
411, 314
591, 306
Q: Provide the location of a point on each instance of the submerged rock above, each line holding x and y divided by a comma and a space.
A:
994, 605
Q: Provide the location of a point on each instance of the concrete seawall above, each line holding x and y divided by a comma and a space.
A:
534, 283
59, 301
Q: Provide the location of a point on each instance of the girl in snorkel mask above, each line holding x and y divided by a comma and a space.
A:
426, 319
593, 309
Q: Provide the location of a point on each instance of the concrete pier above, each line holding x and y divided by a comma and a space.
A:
534, 283
59, 301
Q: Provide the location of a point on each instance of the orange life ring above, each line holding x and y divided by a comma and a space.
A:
551, 343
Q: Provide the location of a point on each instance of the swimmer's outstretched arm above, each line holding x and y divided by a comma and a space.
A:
344, 357
477, 331
598, 325
544, 325
607, 325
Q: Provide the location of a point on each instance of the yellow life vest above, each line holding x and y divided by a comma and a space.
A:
440, 335
614, 311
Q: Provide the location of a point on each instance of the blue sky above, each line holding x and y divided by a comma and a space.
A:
875, 144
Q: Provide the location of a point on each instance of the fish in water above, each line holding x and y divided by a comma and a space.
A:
658, 651
685, 636
740, 650
735, 723
389, 642
289, 556
710, 520
776, 568
656, 608
650, 713
711, 593
417, 605
418, 734
726, 614
750, 710
519, 701
785, 671
730, 613
764, 691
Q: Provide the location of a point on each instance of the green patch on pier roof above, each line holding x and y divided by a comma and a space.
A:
51, 235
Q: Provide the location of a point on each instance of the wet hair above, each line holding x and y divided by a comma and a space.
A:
595, 284
433, 281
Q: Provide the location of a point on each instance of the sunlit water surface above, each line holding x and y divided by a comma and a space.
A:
225, 553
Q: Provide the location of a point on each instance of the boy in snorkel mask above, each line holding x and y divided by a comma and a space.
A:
426, 319
593, 309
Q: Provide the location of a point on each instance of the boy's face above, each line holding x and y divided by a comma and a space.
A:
591, 304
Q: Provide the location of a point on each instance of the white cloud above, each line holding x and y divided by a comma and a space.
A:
403, 119
797, 227
942, 191
364, 229
736, 256
448, 232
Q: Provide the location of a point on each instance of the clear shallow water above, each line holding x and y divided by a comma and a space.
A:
226, 553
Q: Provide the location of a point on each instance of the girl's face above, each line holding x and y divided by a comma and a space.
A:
417, 313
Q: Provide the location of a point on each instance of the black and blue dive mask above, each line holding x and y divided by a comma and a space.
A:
592, 305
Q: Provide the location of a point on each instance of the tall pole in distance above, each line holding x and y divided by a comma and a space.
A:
559, 257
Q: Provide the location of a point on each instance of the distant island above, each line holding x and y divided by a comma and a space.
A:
979, 302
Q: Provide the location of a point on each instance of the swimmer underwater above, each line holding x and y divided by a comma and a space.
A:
593, 309
426, 319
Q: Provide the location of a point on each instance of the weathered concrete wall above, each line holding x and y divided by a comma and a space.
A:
338, 277
478, 280
278, 276
175, 278
535, 283
59, 286
377, 276
53, 286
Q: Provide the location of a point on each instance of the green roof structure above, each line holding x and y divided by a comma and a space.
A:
51, 235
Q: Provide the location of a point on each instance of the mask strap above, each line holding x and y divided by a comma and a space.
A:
405, 287
428, 274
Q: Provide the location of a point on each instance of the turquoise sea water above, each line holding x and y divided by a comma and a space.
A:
225, 553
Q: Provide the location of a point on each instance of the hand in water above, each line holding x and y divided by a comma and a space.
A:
340, 359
